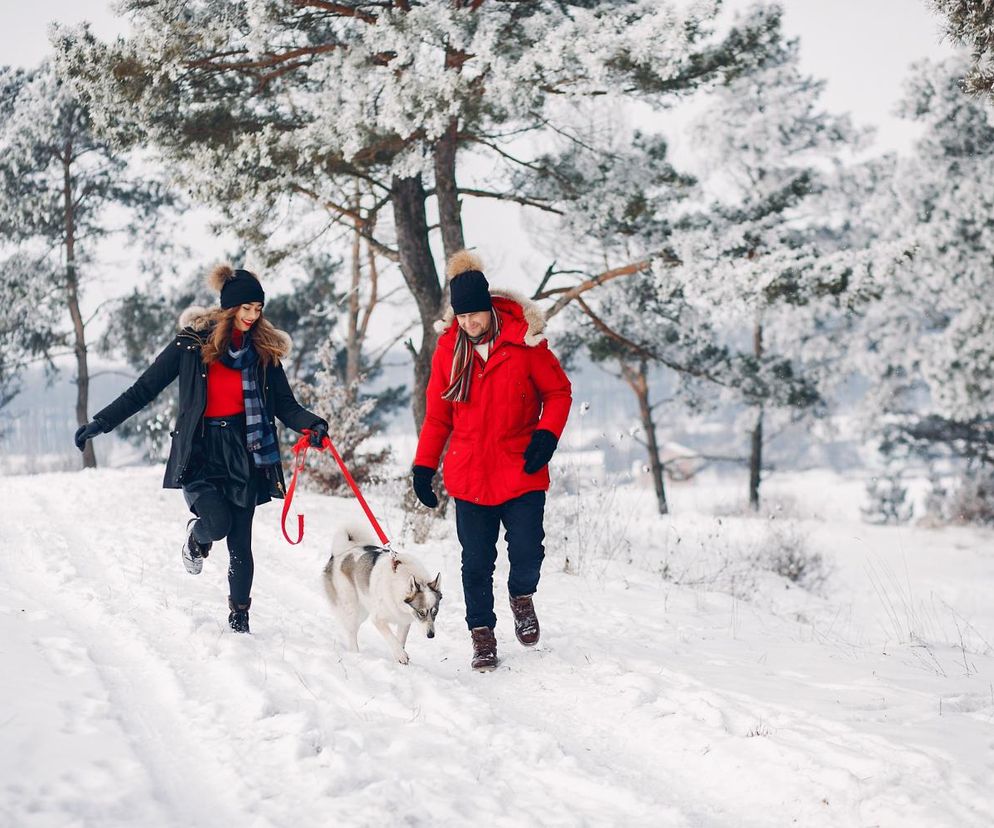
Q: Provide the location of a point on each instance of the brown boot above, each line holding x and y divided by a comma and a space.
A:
484, 649
525, 621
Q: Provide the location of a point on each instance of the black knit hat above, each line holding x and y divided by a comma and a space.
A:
241, 289
470, 292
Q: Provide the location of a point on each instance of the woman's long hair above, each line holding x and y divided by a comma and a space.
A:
270, 344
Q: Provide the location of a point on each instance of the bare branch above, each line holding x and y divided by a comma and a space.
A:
375, 363
267, 61
528, 202
609, 332
641, 351
549, 271
339, 9
350, 218
589, 284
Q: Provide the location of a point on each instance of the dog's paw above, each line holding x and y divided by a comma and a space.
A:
403, 657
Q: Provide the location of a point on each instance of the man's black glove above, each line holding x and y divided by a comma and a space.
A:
540, 450
318, 432
88, 431
422, 486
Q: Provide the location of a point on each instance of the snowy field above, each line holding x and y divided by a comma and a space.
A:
678, 682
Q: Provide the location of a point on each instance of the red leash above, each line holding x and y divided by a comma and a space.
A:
300, 452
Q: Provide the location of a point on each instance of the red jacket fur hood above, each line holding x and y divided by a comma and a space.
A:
520, 388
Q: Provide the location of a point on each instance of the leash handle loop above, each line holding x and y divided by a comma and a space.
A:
300, 454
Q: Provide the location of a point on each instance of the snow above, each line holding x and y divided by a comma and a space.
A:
708, 702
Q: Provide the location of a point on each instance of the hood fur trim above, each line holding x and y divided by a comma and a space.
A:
197, 318
194, 317
534, 316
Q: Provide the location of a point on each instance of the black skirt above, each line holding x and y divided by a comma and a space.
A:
220, 462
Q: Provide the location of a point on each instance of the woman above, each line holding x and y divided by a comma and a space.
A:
501, 395
224, 453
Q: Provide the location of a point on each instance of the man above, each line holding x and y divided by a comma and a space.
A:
501, 399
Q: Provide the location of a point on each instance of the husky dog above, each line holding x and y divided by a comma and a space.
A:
366, 580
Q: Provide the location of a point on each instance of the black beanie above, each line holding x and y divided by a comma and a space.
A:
241, 289
470, 292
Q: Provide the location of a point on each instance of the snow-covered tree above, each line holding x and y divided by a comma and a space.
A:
28, 327
351, 418
636, 325
971, 23
888, 500
930, 339
746, 294
769, 260
261, 103
58, 185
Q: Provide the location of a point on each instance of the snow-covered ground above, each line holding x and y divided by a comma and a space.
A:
678, 681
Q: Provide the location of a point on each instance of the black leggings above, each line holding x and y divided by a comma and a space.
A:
220, 518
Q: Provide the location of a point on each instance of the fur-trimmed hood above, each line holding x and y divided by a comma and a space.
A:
531, 314
197, 319
194, 317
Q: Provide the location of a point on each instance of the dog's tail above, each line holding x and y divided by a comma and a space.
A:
351, 535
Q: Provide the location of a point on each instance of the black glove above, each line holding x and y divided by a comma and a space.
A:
540, 450
318, 432
422, 486
88, 431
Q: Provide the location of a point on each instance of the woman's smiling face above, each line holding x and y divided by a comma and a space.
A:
247, 315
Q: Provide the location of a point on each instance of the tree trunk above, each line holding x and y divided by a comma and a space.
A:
418, 268
352, 343
72, 299
638, 379
447, 193
756, 454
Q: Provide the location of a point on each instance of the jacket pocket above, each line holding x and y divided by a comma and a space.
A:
457, 467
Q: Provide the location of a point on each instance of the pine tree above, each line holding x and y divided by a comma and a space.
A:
745, 295
57, 184
971, 23
929, 341
28, 327
770, 258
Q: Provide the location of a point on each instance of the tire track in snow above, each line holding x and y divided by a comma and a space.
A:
132, 679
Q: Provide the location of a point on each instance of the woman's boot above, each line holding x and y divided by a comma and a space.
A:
238, 618
484, 648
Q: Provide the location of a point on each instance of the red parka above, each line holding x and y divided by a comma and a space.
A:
520, 388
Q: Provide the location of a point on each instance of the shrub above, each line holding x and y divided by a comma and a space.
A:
973, 500
784, 551
888, 500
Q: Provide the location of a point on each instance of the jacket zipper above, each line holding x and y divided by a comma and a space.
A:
186, 460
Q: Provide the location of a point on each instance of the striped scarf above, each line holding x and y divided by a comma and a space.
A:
462, 359
259, 437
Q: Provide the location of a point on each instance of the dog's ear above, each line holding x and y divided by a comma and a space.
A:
436, 585
412, 587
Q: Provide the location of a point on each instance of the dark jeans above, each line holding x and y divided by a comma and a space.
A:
478, 527
220, 518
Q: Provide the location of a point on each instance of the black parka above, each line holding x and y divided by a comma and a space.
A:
181, 359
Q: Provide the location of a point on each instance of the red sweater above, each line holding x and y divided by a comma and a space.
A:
224, 387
